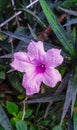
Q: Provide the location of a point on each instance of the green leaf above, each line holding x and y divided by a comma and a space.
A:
14, 120
2, 37
28, 113
75, 120
1, 128
33, 127
45, 122
12, 108
73, 35
69, 3
3, 4
21, 125
4, 121
6, 46
20, 114
15, 81
58, 127
2, 75
21, 97
57, 28
3, 67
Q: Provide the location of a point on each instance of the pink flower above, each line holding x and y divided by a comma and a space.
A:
38, 66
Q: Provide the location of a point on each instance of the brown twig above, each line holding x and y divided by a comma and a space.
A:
48, 30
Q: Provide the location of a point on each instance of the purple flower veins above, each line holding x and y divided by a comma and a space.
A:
38, 66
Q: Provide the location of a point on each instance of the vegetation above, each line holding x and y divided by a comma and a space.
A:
54, 23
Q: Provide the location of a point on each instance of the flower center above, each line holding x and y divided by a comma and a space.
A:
41, 68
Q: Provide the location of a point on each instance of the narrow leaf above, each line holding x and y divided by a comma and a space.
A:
32, 32
73, 35
67, 99
57, 28
71, 12
46, 99
72, 21
17, 36
4, 121
35, 16
62, 85
70, 95
7, 56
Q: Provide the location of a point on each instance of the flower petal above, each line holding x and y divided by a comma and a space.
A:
54, 57
31, 84
51, 77
22, 63
36, 50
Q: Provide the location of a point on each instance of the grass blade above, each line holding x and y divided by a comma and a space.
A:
70, 95
4, 121
57, 28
